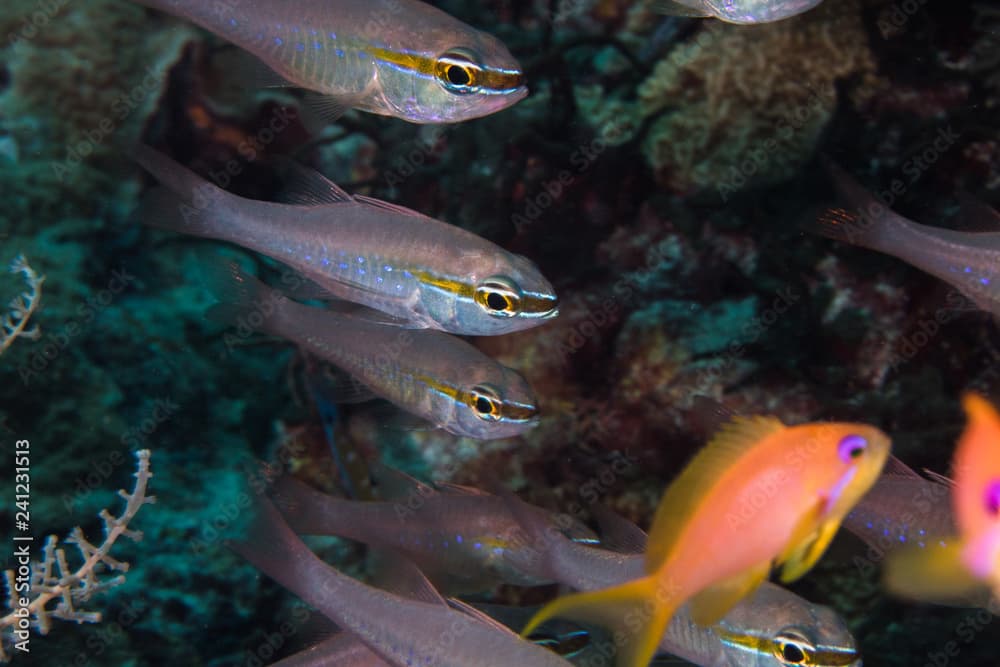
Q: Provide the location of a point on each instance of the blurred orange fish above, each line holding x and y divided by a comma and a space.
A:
760, 493
971, 562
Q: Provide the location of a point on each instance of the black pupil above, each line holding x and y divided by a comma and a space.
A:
496, 301
792, 653
483, 405
856, 452
458, 76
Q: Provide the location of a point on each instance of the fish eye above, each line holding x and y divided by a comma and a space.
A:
851, 447
792, 650
992, 498
485, 402
499, 296
458, 72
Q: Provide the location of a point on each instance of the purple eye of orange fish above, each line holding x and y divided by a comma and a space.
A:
851, 447
992, 497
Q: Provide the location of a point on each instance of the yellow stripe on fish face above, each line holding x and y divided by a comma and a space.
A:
791, 650
484, 400
457, 70
498, 295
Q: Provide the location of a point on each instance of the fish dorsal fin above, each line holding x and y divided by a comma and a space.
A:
480, 616
394, 484
387, 206
397, 574
938, 478
699, 477
976, 215
618, 533
307, 187
896, 468
460, 490
676, 8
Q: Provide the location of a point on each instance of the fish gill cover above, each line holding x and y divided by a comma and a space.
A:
671, 177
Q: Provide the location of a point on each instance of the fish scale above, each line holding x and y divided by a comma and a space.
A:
382, 56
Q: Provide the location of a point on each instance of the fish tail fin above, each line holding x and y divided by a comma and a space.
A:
865, 221
271, 546
309, 512
243, 300
637, 612
934, 574
185, 203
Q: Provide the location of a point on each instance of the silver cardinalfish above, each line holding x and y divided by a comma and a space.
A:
737, 11
420, 629
772, 627
458, 536
430, 374
969, 261
399, 58
380, 255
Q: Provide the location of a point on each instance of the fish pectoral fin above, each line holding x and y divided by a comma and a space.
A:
674, 8
249, 71
322, 110
807, 544
307, 187
933, 574
712, 603
636, 612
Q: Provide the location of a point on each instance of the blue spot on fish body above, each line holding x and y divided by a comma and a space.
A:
985, 281
318, 46
458, 538
478, 545
278, 41
233, 22
361, 272
968, 269
343, 265
340, 53
300, 47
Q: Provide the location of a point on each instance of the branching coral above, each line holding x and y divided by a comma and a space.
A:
15, 324
52, 581
744, 106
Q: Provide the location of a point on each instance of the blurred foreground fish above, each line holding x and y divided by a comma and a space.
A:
737, 11
399, 58
969, 261
384, 256
457, 536
971, 561
419, 629
712, 542
430, 374
771, 627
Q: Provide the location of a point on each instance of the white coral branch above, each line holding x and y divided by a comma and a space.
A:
54, 581
15, 324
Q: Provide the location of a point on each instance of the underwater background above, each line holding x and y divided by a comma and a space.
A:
662, 174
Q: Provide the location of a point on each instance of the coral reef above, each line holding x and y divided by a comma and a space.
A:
15, 323
742, 107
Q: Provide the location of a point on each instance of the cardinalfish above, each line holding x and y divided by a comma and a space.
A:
969, 261
458, 536
432, 375
903, 509
971, 562
403, 629
771, 627
737, 11
711, 542
400, 58
395, 260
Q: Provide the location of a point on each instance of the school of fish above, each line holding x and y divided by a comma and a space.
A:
398, 288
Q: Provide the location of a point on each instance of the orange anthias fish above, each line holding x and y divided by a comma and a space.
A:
972, 560
760, 493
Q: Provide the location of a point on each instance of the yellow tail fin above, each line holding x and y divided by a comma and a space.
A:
637, 613
933, 574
